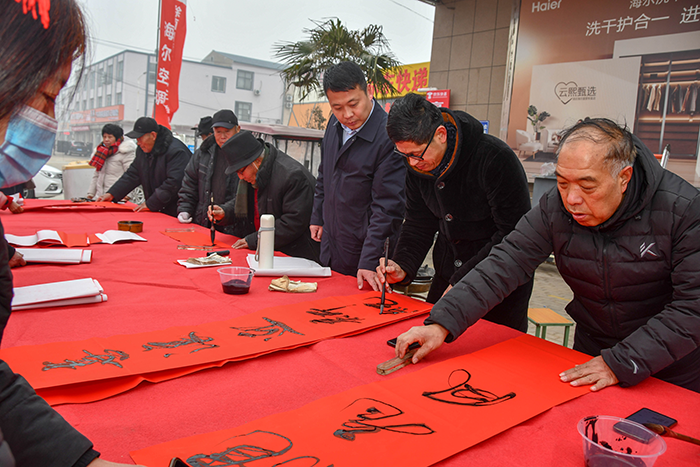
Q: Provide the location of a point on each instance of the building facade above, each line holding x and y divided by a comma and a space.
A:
121, 88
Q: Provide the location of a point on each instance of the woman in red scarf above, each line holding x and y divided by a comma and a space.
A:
111, 159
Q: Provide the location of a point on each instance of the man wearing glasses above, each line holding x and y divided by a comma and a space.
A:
467, 186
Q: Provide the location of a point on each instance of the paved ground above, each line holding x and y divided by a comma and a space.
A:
550, 291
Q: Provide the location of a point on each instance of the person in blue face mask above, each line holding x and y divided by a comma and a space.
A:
39, 42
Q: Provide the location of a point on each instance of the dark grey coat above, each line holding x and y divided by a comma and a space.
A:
360, 198
195, 193
635, 278
159, 172
286, 190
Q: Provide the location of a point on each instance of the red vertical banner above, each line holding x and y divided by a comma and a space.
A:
173, 28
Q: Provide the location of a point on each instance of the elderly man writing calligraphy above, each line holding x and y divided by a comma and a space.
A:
626, 237
271, 182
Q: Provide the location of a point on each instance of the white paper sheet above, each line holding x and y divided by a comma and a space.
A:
290, 266
46, 236
69, 302
112, 236
55, 255
184, 262
55, 292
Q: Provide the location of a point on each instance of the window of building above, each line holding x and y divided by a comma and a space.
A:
244, 80
92, 79
118, 98
152, 72
108, 100
99, 101
218, 84
108, 74
85, 104
244, 111
120, 71
91, 105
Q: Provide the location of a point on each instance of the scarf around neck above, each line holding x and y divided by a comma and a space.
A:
103, 152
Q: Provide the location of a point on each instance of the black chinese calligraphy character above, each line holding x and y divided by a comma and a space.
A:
250, 447
191, 339
465, 394
330, 316
108, 358
274, 327
377, 416
390, 306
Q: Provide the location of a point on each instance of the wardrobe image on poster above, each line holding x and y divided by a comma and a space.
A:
668, 102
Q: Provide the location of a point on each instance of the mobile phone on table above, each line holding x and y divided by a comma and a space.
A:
392, 343
643, 416
177, 462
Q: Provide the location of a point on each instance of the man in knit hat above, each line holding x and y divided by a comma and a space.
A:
271, 182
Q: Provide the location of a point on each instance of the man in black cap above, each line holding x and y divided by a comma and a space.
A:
271, 182
159, 166
205, 176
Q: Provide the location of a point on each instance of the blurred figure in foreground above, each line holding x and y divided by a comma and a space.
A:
37, 49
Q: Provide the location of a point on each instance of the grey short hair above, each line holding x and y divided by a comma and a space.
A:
621, 150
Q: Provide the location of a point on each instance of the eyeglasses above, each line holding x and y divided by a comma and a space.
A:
413, 156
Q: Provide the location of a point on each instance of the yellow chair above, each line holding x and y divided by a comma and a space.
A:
543, 317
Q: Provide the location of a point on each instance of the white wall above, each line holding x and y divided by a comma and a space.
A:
615, 83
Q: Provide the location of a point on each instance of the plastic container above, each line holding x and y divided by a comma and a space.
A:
617, 442
236, 280
77, 176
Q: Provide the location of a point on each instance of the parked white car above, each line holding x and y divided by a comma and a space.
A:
49, 182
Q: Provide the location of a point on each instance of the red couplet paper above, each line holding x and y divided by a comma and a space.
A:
93, 369
412, 420
195, 239
61, 205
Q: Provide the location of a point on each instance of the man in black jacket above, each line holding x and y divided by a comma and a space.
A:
466, 185
205, 176
159, 167
271, 182
626, 237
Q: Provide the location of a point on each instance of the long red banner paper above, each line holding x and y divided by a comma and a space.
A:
173, 29
412, 420
93, 369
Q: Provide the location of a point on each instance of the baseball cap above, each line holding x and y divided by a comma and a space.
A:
142, 126
224, 118
241, 150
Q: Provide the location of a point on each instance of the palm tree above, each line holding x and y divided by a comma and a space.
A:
330, 42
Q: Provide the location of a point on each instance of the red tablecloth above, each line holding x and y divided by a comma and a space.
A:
148, 291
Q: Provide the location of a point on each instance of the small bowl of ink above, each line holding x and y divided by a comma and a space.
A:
612, 441
236, 280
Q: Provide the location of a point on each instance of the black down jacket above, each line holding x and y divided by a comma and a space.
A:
635, 277
160, 173
285, 190
475, 201
196, 191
